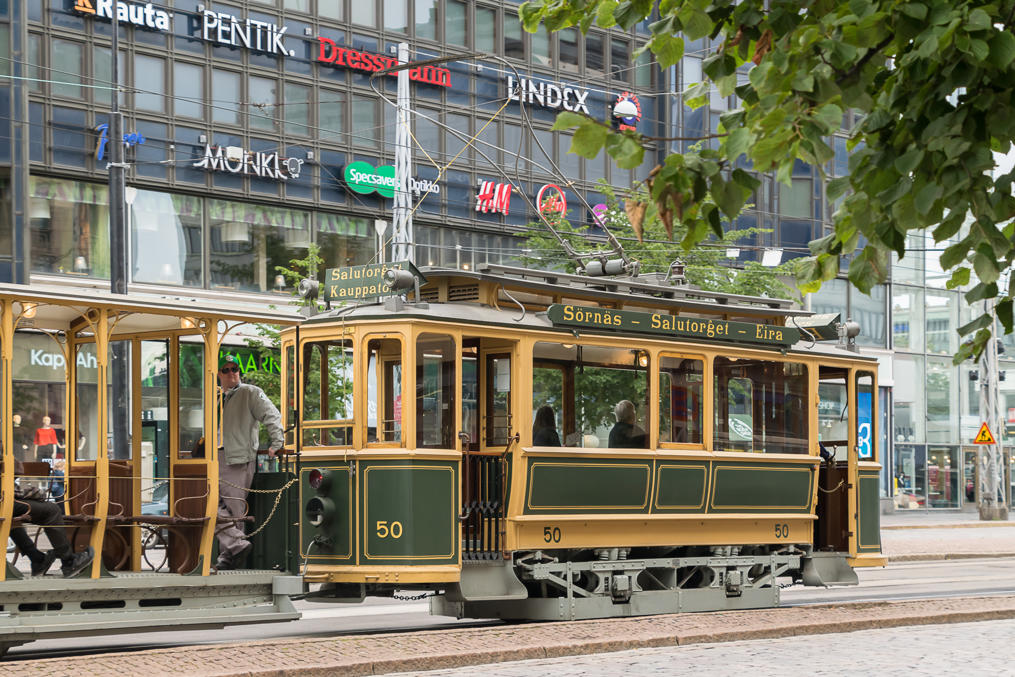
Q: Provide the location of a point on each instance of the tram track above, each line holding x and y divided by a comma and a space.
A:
902, 582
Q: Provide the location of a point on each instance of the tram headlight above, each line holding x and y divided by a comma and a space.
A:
320, 481
320, 511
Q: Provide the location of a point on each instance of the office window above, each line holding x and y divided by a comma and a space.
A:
540, 48
568, 49
331, 115
225, 87
188, 89
426, 19
365, 121
514, 48
363, 12
595, 60
620, 59
67, 59
396, 15
263, 104
486, 30
297, 109
454, 22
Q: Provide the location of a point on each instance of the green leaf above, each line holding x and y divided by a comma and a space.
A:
869, 268
668, 49
1002, 49
926, 197
695, 22
909, 160
567, 120
1003, 310
915, 10
978, 20
589, 139
985, 264
837, 187
746, 179
829, 117
625, 150
981, 322
980, 292
631, 12
954, 255
604, 15
738, 142
728, 195
960, 278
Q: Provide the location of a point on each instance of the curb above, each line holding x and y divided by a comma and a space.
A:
931, 557
449, 648
960, 525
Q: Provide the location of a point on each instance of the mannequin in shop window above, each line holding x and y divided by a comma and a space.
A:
46, 442
22, 439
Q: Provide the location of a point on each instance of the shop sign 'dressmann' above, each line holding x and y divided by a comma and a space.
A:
145, 16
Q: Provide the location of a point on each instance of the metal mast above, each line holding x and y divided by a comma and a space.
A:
402, 248
991, 468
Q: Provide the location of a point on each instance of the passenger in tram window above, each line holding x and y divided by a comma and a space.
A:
32, 500
625, 433
244, 406
544, 428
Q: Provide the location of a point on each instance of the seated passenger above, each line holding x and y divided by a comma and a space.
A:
544, 428
48, 515
625, 433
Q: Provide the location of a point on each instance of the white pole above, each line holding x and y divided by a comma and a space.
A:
402, 247
992, 504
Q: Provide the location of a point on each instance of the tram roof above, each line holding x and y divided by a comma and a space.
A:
57, 308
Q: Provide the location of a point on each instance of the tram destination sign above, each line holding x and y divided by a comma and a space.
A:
360, 282
566, 315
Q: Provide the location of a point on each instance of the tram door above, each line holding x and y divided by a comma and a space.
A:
832, 530
864, 470
488, 428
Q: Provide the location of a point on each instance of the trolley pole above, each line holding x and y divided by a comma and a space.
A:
402, 248
118, 354
991, 466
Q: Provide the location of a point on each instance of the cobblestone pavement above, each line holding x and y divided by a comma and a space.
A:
446, 649
961, 649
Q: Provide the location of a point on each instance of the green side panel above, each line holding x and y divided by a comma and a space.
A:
569, 486
333, 540
409, 512
869, 517
681, 487
272, 545
760, 487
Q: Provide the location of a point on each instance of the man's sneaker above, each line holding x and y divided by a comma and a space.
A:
229, 562
78, 562
42, 565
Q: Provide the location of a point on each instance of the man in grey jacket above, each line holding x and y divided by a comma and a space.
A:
243, 407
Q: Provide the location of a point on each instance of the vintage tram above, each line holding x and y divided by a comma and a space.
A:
523, 444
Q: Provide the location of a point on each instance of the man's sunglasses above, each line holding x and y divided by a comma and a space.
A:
229, 370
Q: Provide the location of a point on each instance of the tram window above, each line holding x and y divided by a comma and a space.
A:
384, 390
866, 439
289, 360
87, 404
548, 391
598, 382
190, 379
680, 404
327, 393
760, 406
435, 391
470, 395
833, 411
498, 399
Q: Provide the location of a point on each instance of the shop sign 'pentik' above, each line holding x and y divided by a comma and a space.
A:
236, 160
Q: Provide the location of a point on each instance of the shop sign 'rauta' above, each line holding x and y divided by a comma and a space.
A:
145, 16
637, 322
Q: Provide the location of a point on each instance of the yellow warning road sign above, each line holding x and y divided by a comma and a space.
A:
984, 436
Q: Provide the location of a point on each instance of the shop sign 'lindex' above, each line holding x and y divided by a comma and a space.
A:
361, 177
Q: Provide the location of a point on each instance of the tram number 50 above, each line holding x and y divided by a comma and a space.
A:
385, 530
551, 534
782, 531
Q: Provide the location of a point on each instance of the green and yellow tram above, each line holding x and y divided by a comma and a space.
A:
521, 444
413, 421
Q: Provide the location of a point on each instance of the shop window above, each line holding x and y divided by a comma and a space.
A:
166, 238
761, 406
384, 391
435, 392
396, 15
38, 373
86, 411
188, 88
327, 393
226, 88
150, 83
910, 476
426, 19
681, 381
248, 241
942, 477
69, 228
598, 394
454, 22
345, 240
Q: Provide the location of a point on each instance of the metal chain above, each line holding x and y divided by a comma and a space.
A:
278, 498
412, 598
833, 489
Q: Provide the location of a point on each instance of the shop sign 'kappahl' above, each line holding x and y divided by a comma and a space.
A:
548, 95
142, 15
362, 178
236, 160
262, 36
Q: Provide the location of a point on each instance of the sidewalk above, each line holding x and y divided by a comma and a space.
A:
417, 651
919, 535
934, 519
